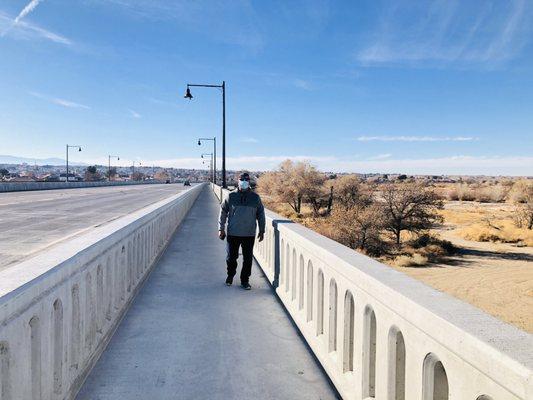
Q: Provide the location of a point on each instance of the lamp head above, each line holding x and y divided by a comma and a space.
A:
188, 94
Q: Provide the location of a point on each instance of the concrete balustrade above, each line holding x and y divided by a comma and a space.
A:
25, 186
381, 334
59, 309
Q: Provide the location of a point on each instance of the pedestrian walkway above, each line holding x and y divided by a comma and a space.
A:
188, 336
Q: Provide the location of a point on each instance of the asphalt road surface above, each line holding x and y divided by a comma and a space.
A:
36, 220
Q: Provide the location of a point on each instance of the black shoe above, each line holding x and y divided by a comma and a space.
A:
229, 281
246, 286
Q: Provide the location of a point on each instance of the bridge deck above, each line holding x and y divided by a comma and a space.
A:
188, 336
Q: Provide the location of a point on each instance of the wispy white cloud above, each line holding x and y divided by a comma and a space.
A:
24, 30
302, 84
60, 101
163, 102
381, 156
239, 23
26, 10
449, 32
242, 162
249, 140
452, 165
416, 139
234, 23
134, 114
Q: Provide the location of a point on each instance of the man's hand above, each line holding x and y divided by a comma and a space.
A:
260, 236
222, 235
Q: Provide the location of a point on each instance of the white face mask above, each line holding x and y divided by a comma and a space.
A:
244, 185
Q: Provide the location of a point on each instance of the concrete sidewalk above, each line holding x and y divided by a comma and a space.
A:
188, 336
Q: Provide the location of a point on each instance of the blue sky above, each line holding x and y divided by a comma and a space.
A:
365, 86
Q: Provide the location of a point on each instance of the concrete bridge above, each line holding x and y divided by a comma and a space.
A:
137, 309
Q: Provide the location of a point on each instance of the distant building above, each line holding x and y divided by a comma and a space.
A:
71, 177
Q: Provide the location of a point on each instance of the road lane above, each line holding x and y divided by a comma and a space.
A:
35, 220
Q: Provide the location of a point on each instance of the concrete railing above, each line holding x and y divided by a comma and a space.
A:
59, 309
381, 334
25, 186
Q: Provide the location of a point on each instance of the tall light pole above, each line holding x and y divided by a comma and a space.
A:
214, 139
109, 166
68, 147
210, 164
188, 95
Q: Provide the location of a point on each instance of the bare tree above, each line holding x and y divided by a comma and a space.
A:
91, 174
410, 207
137, 176
356, 219
350, 191
359, 227
522, 195
293, 183
111, 173
313, 189
161, 176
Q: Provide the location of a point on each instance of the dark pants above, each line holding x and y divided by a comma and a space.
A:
232, 253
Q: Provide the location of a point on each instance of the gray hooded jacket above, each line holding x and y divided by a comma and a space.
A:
242, 209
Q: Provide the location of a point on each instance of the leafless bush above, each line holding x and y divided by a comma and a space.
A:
461, 192
413, 260
465, 192
522, 195
520, 192
359, 227
490, 194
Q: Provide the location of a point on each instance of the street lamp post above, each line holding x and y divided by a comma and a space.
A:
188, 95
68, 147
214, 139
109, 166
133, 173
210, 164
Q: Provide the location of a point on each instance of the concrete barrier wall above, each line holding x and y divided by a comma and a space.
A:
381, 334
23, 186
59, 309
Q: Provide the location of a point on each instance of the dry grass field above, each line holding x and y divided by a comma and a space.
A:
493, 267
486, 222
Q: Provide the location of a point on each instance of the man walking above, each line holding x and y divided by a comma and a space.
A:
241, 209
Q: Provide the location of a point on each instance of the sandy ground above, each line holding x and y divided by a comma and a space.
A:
497, 278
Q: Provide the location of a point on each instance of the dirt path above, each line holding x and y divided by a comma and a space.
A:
497, 278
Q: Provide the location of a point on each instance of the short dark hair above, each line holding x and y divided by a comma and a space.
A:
244, 176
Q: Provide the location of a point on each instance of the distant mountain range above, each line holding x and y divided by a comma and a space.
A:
4, 159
